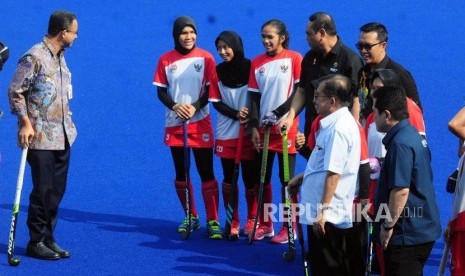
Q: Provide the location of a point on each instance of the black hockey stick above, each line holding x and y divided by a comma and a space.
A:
300, 232
187, 162
369, 248
232, 196
14, 219
262, 182
444, 259
290, 254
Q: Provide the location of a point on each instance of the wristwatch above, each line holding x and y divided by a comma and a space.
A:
386, 228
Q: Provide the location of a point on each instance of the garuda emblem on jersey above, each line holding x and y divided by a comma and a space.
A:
198, 67
206, 137
284, 68
172, 67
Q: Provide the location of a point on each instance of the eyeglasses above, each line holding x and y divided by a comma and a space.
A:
360, 46
318, 95
74, 32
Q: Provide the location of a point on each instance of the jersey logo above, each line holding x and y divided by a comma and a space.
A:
334, 68
167, 137
198, 67
206, 137
219, 148
284, 68
172, 67
261, 70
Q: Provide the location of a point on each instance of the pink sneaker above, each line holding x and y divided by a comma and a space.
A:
282, 237
235, 227
248, 227
263, 231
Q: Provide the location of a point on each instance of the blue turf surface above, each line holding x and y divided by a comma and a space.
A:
120, 213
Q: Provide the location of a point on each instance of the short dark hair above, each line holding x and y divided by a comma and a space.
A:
59, 21
389, 77
393, 99
337, 86
322, 20
281, 28
379, 28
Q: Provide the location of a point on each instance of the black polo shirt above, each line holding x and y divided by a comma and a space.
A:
341, 60
406, 79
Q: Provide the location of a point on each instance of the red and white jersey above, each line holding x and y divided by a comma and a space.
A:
458, 208
457, 223
416, 117
374, 138
236, 98
185, 77
274, 78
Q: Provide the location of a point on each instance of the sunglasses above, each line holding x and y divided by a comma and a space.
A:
360, 46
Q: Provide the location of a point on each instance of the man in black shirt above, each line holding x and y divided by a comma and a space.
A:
372, 44
327, 56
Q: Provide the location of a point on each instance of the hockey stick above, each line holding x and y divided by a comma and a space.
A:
300, 232
369, 248
14, 219
290, 254
445, 257
232, 196
187, 162
262, 182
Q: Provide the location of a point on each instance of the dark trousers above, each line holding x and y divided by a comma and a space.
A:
49, 170
357, 247
407, 260
328, 254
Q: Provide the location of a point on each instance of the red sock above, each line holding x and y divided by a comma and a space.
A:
181, 191
226, 189
380, 257
251, 198
210, 195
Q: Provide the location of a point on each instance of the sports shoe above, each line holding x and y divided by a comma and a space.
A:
282, 236
263, 231
235, 227
213, 230
195, 224
249, 227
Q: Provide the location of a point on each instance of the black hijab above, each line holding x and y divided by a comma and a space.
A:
179, 24
234, 73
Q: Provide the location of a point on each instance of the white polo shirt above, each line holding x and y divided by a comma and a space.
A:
337, 150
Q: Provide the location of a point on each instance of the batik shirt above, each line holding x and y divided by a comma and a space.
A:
41, 89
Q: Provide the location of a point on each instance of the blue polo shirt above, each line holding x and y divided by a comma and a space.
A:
408, 165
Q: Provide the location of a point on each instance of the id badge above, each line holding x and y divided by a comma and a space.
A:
70, 91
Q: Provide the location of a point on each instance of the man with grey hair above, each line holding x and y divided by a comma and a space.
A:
39, 96
330, 178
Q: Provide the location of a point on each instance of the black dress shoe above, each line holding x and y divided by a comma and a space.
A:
40, 251
57, 249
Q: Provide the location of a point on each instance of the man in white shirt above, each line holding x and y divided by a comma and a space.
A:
330, 179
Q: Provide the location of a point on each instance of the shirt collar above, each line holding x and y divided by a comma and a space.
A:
51, 48
393, 131
333, 117
337, 48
